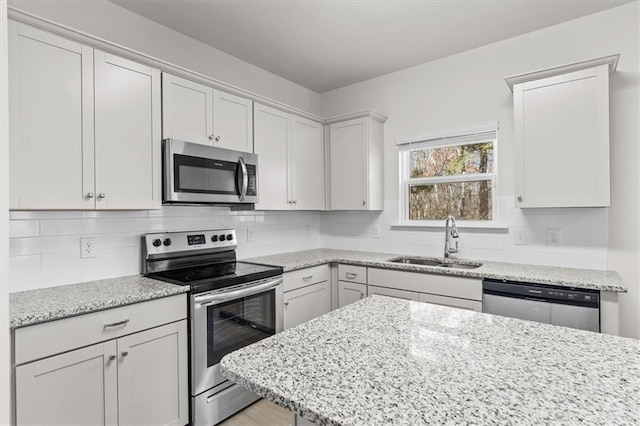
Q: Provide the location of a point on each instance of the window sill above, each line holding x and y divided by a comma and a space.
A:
496, 226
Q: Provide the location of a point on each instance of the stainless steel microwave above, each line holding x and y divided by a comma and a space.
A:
201, 174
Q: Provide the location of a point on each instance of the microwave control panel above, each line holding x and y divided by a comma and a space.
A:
251, 174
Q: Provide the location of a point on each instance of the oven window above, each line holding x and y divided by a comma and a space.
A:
203, 175
238, 323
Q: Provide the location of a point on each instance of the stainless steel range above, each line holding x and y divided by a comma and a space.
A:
232, 304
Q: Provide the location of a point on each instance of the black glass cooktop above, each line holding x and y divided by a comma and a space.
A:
217, 275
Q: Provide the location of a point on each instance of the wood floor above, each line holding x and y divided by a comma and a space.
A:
260, 413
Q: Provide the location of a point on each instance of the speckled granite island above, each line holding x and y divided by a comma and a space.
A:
390, 361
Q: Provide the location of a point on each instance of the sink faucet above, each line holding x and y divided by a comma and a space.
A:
448, 235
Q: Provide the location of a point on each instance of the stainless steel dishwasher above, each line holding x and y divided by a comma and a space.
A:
563, 306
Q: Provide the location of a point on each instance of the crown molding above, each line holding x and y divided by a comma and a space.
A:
611, 61
360, 114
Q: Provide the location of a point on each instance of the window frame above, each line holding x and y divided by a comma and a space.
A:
455, 137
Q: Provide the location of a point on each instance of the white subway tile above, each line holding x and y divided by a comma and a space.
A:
77, 227
35, 215
23, 264
41, 279
24, 228
35, 245
110, 270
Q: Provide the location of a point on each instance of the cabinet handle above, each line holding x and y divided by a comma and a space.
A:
102, 195
520, 198
115, 324
307, 278
286, 303
90, 195
351, 275
217, 138
112, 357
124, 353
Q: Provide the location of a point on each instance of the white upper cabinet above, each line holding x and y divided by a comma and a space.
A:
562, 136
196, 113
85, 130
51, 114
356, 162
290, 153
187, 110
127, 134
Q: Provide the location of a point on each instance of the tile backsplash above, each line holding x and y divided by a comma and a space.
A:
45, 246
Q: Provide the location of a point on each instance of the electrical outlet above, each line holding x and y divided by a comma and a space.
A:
251, 236
553, 237
376, 232
519, 237
86, 248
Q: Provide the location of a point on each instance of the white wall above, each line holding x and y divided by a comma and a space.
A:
108, 21
5, 399
469, 88
45, 246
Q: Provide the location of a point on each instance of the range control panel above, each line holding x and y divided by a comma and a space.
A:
171, 242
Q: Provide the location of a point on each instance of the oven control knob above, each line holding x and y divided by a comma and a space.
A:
229, 237
222, 237
214, 238
167, 242
157, 242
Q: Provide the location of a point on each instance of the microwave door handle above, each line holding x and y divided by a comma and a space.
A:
245, 179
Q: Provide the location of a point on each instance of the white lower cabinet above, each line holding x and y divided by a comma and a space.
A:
393, 292
306, 303
349, 292
135, 379
454, 302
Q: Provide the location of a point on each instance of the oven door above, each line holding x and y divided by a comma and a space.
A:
195, 173
224, 322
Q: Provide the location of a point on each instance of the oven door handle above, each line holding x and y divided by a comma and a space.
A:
211, 299
245, 179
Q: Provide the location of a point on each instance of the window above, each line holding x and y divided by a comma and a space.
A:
452, 173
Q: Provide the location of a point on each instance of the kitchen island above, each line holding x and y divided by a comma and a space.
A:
390, 361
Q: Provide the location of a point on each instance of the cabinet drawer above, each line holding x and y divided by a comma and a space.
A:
465, 288
50, 338
305, 277
453, 302
392, 292
355, 274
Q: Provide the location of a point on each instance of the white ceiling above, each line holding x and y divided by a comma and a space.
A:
323, 45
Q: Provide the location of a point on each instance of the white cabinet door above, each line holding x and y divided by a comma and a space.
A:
51, 121
127, 134
393, 292
187, 110
350, 292
272, 134
152, 376
306, 165
562, 140
306, 303
454, 302
232, 122
75, 388
348, 165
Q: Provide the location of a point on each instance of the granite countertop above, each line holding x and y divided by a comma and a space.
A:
390, 361
48, 304
567, 277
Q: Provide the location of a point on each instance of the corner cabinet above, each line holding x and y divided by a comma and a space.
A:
196, 113
356, 161
135, 375
561, 120
84, 126
291, 154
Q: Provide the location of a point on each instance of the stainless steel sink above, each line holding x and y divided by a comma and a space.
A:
435, 262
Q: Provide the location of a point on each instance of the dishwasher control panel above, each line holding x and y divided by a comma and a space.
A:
556, 294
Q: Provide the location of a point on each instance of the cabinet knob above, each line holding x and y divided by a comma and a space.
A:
210, 137
520, 198
90, 195
361, 294
364, 203
217, 138
286, 303
295, 201
102, 195
112, 357
124, 353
